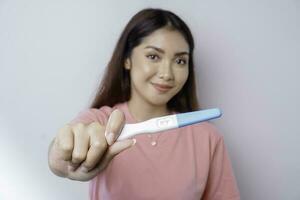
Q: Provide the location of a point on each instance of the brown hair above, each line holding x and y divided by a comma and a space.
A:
115, 85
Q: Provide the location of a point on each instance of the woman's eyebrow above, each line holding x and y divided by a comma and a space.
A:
162, 51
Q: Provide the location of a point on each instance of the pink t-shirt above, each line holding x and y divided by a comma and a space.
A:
187, 163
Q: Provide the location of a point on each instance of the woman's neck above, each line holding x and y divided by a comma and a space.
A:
143, 111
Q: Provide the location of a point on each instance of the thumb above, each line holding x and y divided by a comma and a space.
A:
118, 147
114, 150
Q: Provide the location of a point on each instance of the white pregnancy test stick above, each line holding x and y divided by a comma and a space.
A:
168, 122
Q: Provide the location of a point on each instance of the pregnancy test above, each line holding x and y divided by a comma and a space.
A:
168, 122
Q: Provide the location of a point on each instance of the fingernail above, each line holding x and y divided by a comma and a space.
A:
134, 141
110, 138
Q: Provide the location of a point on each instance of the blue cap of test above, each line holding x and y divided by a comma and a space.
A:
189, 118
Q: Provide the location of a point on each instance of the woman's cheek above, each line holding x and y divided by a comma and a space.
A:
148, 69
182, 76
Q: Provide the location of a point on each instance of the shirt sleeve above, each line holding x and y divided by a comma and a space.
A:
90, 115
221, 183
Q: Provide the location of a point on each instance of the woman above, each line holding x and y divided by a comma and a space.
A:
150, 74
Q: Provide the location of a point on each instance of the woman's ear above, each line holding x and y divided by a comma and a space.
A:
127, 64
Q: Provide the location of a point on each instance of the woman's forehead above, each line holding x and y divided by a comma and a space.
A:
167, 40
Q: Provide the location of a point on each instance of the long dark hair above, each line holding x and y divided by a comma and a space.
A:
115, 85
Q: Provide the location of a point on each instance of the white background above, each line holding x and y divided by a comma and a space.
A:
53, 53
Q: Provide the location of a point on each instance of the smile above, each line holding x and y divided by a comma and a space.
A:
161, 88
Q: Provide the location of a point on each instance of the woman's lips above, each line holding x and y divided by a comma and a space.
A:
161, 88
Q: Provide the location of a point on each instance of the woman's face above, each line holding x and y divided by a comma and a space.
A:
162, 58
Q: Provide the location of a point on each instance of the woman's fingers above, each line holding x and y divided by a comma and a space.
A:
81, 143
111, 152
114, 126
117, 148
64, 142
87, 149
98, 145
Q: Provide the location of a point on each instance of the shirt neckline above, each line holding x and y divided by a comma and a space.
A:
152, 137
130, 116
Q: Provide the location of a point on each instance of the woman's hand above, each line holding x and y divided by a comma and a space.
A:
80, 152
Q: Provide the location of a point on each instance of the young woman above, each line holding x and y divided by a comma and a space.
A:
150, 74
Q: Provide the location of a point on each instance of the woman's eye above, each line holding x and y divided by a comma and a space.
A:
152, 56
183, 61
155, 57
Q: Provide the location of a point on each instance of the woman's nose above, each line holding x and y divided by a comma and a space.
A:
165, 71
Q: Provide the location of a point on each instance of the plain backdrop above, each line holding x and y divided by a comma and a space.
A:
52, 57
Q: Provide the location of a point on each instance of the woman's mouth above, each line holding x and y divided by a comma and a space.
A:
161, 88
